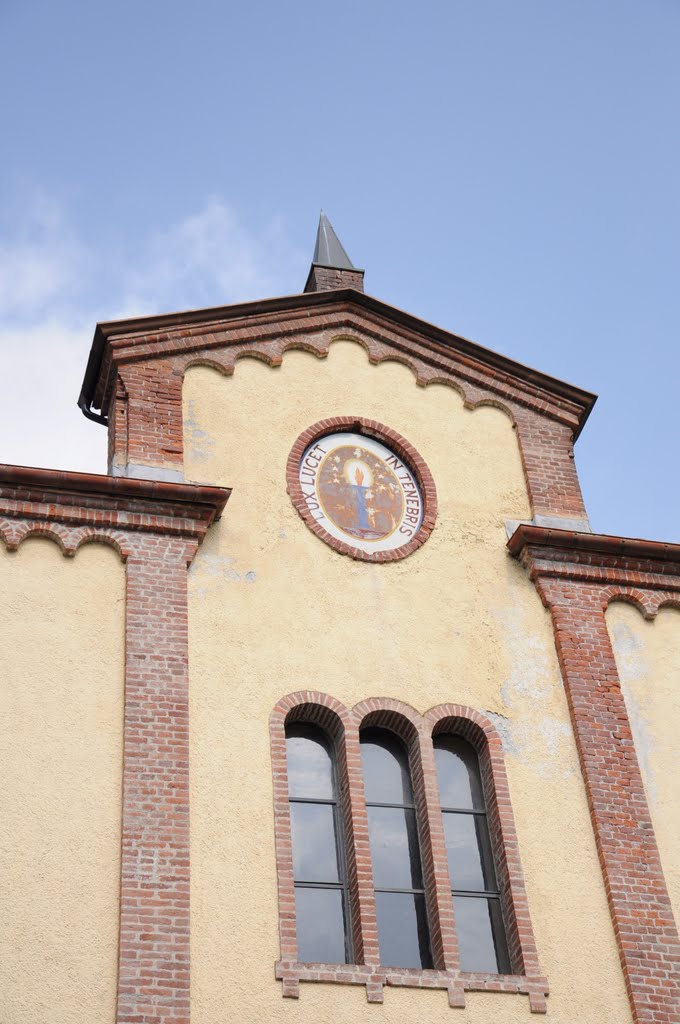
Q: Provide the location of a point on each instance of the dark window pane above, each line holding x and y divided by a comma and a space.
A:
402, 930
469, 851
394, 848
481, 941
310, 769
315, 855
385, 764
458, 773
320, 926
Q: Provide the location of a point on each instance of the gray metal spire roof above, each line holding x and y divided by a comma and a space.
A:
328, 251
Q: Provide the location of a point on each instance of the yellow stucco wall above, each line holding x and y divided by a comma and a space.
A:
648, 659
273, 610
61, 717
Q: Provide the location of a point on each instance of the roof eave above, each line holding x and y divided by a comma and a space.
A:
584, 400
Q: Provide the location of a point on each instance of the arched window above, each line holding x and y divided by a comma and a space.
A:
476, 897
403, 933
321, 903
370, 804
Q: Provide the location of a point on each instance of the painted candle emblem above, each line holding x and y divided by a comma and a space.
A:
361, 492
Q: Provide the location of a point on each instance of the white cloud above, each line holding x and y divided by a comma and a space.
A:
207, 259
40, 424
39, 266
47, 318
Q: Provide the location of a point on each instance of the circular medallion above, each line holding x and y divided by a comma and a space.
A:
362, 493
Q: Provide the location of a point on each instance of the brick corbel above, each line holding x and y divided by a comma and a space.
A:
156, 529
577, 576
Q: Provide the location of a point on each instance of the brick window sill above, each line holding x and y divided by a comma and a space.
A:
376, 977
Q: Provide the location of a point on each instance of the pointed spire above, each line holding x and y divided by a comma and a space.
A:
331, 266
329, 251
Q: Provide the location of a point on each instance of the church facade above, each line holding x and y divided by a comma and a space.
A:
325, 703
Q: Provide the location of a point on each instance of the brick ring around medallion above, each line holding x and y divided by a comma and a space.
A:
362, 488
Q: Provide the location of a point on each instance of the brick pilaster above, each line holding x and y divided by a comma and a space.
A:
155, 528
148, 417
547, 450
636, 889
153, 984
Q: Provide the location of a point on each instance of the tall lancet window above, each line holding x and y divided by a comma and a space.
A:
476, 897
403, 933
321, 907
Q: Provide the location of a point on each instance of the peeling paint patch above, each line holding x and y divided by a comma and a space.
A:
209, 570
530, 679
553, 732
630, 651
504, 729
530, 663
201, 443
539, 743
643, 737
634, 667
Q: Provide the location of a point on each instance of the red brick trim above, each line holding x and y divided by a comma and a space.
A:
174, 333
154, 966
406, 723
416, 730
483, 736
150, 356
323, 279
577, 576
87, 503
156, 529
396, 443
375, 978
332, 717
638, 555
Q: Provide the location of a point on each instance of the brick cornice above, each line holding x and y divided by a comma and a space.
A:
643, 572
72, 507
271, 326
577, 575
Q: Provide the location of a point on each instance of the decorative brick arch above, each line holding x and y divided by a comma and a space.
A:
331, 717
647, 602
15, 533
150, 355
480, 732
416, 731
387, 713
68, 539
111, 538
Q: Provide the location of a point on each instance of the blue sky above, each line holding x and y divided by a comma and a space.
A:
507, 170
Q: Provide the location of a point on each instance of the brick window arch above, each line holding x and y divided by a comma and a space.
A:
396, 862
482, 943
374, 893
319, 860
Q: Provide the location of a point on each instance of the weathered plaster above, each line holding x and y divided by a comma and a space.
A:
457, 621
61, 727
648, 659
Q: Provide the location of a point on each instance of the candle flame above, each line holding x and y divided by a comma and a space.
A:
358, 476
